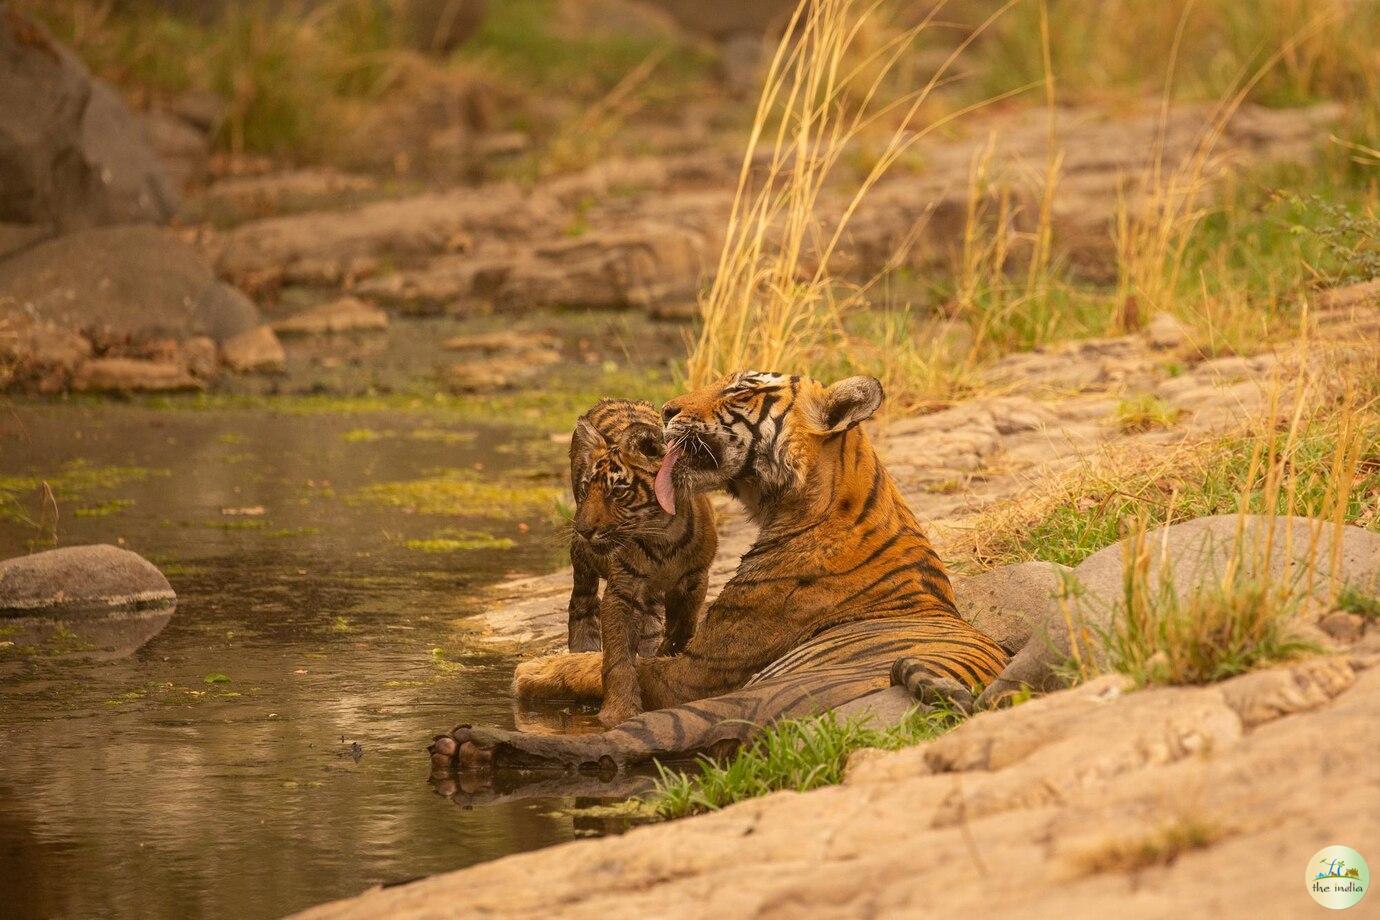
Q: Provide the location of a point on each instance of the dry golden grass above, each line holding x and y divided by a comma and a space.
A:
773, 302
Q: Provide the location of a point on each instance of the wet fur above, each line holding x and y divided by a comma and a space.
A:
837, 546
654, 566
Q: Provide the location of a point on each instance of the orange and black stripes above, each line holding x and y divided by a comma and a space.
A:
840, 584
654, 565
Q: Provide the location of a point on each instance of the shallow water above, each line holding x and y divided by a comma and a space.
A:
150, 786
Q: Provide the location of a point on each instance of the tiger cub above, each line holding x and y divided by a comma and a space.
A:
650, 553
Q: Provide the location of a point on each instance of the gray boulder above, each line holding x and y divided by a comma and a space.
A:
98, 602
1310, 554
71, 154
123, 284
1009, 603
80, 580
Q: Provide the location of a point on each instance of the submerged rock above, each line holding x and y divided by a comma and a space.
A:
80, 579
81, 601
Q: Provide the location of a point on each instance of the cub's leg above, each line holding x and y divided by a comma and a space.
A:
582, 631
652, 631
626, 602
683, 603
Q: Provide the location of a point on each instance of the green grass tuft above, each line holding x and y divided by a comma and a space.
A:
795, 754
1213, 478
1353, 600
1226, 628
1157, 848
459, 492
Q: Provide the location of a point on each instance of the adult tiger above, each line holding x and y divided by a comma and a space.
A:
840, 586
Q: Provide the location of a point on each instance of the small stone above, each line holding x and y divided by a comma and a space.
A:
125, 375
491, 343
1343, 626
199, 354
1166, 331
255, 351
348, 314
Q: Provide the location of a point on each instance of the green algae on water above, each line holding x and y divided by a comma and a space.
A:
105, 508
70, 482
459, 492
459, 541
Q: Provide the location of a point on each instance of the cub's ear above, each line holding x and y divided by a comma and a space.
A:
850, 401
584, 439
585, 435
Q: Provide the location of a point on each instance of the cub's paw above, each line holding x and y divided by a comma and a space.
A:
612, 714
584, 635
930, 689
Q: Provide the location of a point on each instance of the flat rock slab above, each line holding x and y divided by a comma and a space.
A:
1028, 802
348, 314
80, 580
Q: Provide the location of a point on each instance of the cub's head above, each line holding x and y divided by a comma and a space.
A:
614, 455
757, 434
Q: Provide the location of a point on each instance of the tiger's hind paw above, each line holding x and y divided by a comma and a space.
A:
930, 689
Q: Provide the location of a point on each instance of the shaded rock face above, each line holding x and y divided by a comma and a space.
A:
1011, 602
80, 579
123, 285
119, 308
71, 154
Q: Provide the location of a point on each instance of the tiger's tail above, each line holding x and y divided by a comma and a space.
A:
576, 676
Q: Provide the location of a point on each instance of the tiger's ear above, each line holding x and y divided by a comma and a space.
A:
850, 401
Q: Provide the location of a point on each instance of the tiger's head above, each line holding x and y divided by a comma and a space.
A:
757, 434
615, 451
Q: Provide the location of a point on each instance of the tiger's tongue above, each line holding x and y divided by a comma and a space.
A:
665, 492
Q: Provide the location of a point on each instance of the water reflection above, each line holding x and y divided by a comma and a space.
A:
100, 637
262, 750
